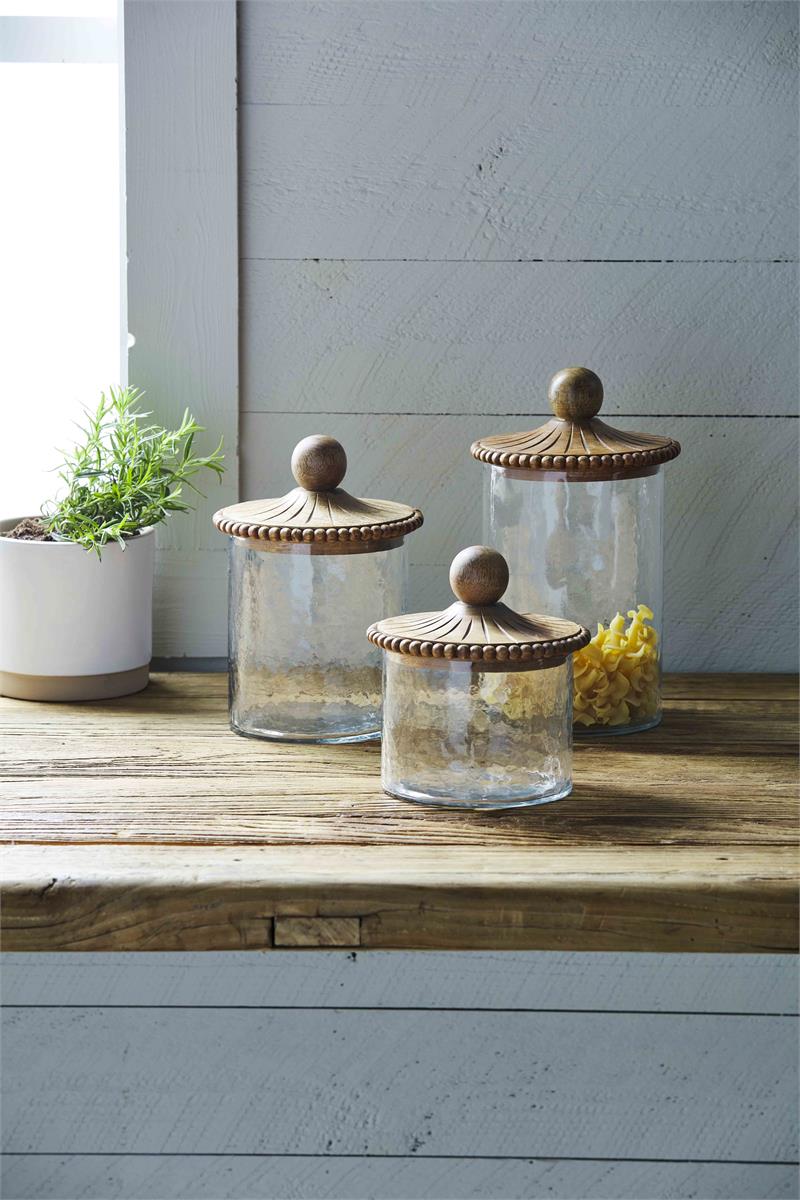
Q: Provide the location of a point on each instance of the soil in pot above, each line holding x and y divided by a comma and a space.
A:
30, 529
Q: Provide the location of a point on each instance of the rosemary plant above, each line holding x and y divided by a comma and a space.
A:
127, 474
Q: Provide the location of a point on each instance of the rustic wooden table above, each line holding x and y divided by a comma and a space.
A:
144, 823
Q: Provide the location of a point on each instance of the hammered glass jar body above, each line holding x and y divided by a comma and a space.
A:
466, 735
591, 552
300, 667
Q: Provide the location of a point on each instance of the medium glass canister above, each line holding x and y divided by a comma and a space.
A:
307, 572
478, 698
577, 508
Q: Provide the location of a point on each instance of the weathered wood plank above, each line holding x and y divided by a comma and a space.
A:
761, 724
743, 983
485, 182
458, 338
228, 811
222, 898
733, 790
317, 931
731, 470
228, 1177
288, 1081
716, 692
732, 689
427, 54
534, 143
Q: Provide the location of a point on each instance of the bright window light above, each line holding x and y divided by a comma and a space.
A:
61, 241
59, 8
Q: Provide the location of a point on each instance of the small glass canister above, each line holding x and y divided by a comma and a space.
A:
577, 509
307, 572
477, 705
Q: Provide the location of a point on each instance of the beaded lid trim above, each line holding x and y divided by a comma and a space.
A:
303, 516
576, 446
478, 628
467, 632
318, 510
575, 440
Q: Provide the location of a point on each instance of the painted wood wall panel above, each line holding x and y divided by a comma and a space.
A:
191, 606
518, 130
429, 53
459, 337
180, 66
692, 983
523, 181
400, 1082
209, 1177
730, 515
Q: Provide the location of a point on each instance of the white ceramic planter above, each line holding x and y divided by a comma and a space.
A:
72, 626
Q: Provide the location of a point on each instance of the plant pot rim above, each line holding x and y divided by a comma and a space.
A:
7, 523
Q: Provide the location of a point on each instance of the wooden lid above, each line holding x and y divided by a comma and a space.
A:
318, 511
478, 628
576, 441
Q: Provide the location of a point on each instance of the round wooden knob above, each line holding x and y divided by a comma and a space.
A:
319, 463
575, 394
479, 575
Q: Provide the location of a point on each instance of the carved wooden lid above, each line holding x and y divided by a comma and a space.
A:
576, 441
478, 628
318, 511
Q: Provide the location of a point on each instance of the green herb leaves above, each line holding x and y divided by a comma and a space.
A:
127, 474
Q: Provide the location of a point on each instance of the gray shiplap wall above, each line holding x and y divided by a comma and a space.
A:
386, 1075
180, 145
441, 204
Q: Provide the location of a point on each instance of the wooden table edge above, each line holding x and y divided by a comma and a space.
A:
396, 897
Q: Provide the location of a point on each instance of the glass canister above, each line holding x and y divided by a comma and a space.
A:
477, 700
307, 572
576, 507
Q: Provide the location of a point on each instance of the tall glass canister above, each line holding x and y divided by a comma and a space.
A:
477, 698
576, 507
307, 572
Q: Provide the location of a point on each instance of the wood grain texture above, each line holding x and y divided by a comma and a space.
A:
180, 72
228, 1177
543, 171
546, 979
729, 781
484, 338
721, 592
224, 898
522, 182
314, 932
288, 1081
679, 839
426, 54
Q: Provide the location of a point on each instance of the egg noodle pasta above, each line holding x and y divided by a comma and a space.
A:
616, 677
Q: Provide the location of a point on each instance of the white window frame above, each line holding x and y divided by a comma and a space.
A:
179, 161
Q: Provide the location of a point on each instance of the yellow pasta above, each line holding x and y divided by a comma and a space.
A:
617, 674
616, 678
